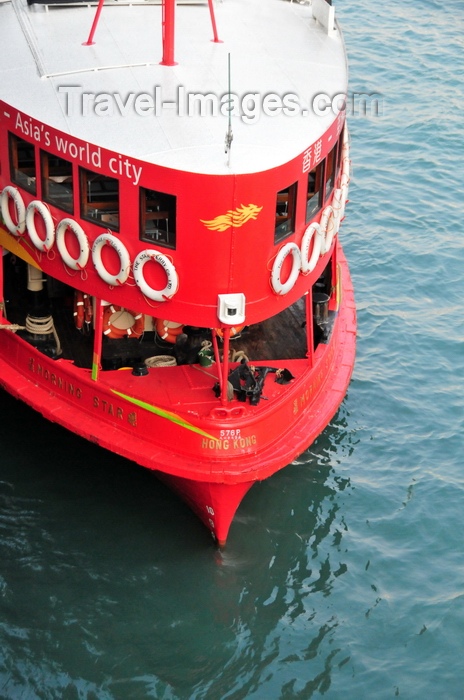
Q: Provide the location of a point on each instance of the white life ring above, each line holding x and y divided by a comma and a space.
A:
345, 138
337, 206
43, 244
341, 195
172, 279
346, 167
19, 228
124, 259
345, 187
74, 263
339, 202
346, 164
328, 225
345, 145
312, 233
284, 287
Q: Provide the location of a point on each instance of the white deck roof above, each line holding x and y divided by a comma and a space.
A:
275, 47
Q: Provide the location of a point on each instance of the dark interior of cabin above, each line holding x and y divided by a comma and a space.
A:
46, 319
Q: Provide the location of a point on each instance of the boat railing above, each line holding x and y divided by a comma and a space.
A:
92, 3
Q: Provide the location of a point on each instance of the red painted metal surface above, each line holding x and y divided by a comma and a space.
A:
219, 453
210, 451
169, 11
96, 19
244, 264
213, 22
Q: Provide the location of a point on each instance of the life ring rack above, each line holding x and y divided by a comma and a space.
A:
38, 207
172, 284
63, 227
278, 286
111, 279
10, 192
110, 330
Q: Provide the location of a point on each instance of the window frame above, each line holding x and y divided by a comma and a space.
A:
285, 223
29, 183
332, 158
152, 210
319, 184
110, 209
46, 178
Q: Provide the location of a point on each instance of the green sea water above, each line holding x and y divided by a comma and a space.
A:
343, 577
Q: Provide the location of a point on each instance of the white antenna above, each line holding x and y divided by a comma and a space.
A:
229, 134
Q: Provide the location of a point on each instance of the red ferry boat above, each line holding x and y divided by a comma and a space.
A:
172, 185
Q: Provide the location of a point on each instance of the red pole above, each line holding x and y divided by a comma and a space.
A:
90, 40
169, 9
213, 22
97, 339
225, 365
309, 326
2, 304
216, 356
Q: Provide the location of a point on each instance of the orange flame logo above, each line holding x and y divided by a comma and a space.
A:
234, 219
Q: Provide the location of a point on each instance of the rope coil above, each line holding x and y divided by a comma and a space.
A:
160, 361
43, 326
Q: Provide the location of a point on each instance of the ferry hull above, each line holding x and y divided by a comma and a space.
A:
217, 459
172, 284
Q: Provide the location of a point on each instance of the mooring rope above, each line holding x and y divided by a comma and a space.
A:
13, 327
238, 355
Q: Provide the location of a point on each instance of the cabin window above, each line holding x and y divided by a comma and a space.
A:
330, 173
22, 163
285, 212
314, 194
158, 217
100, 198
57, 181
